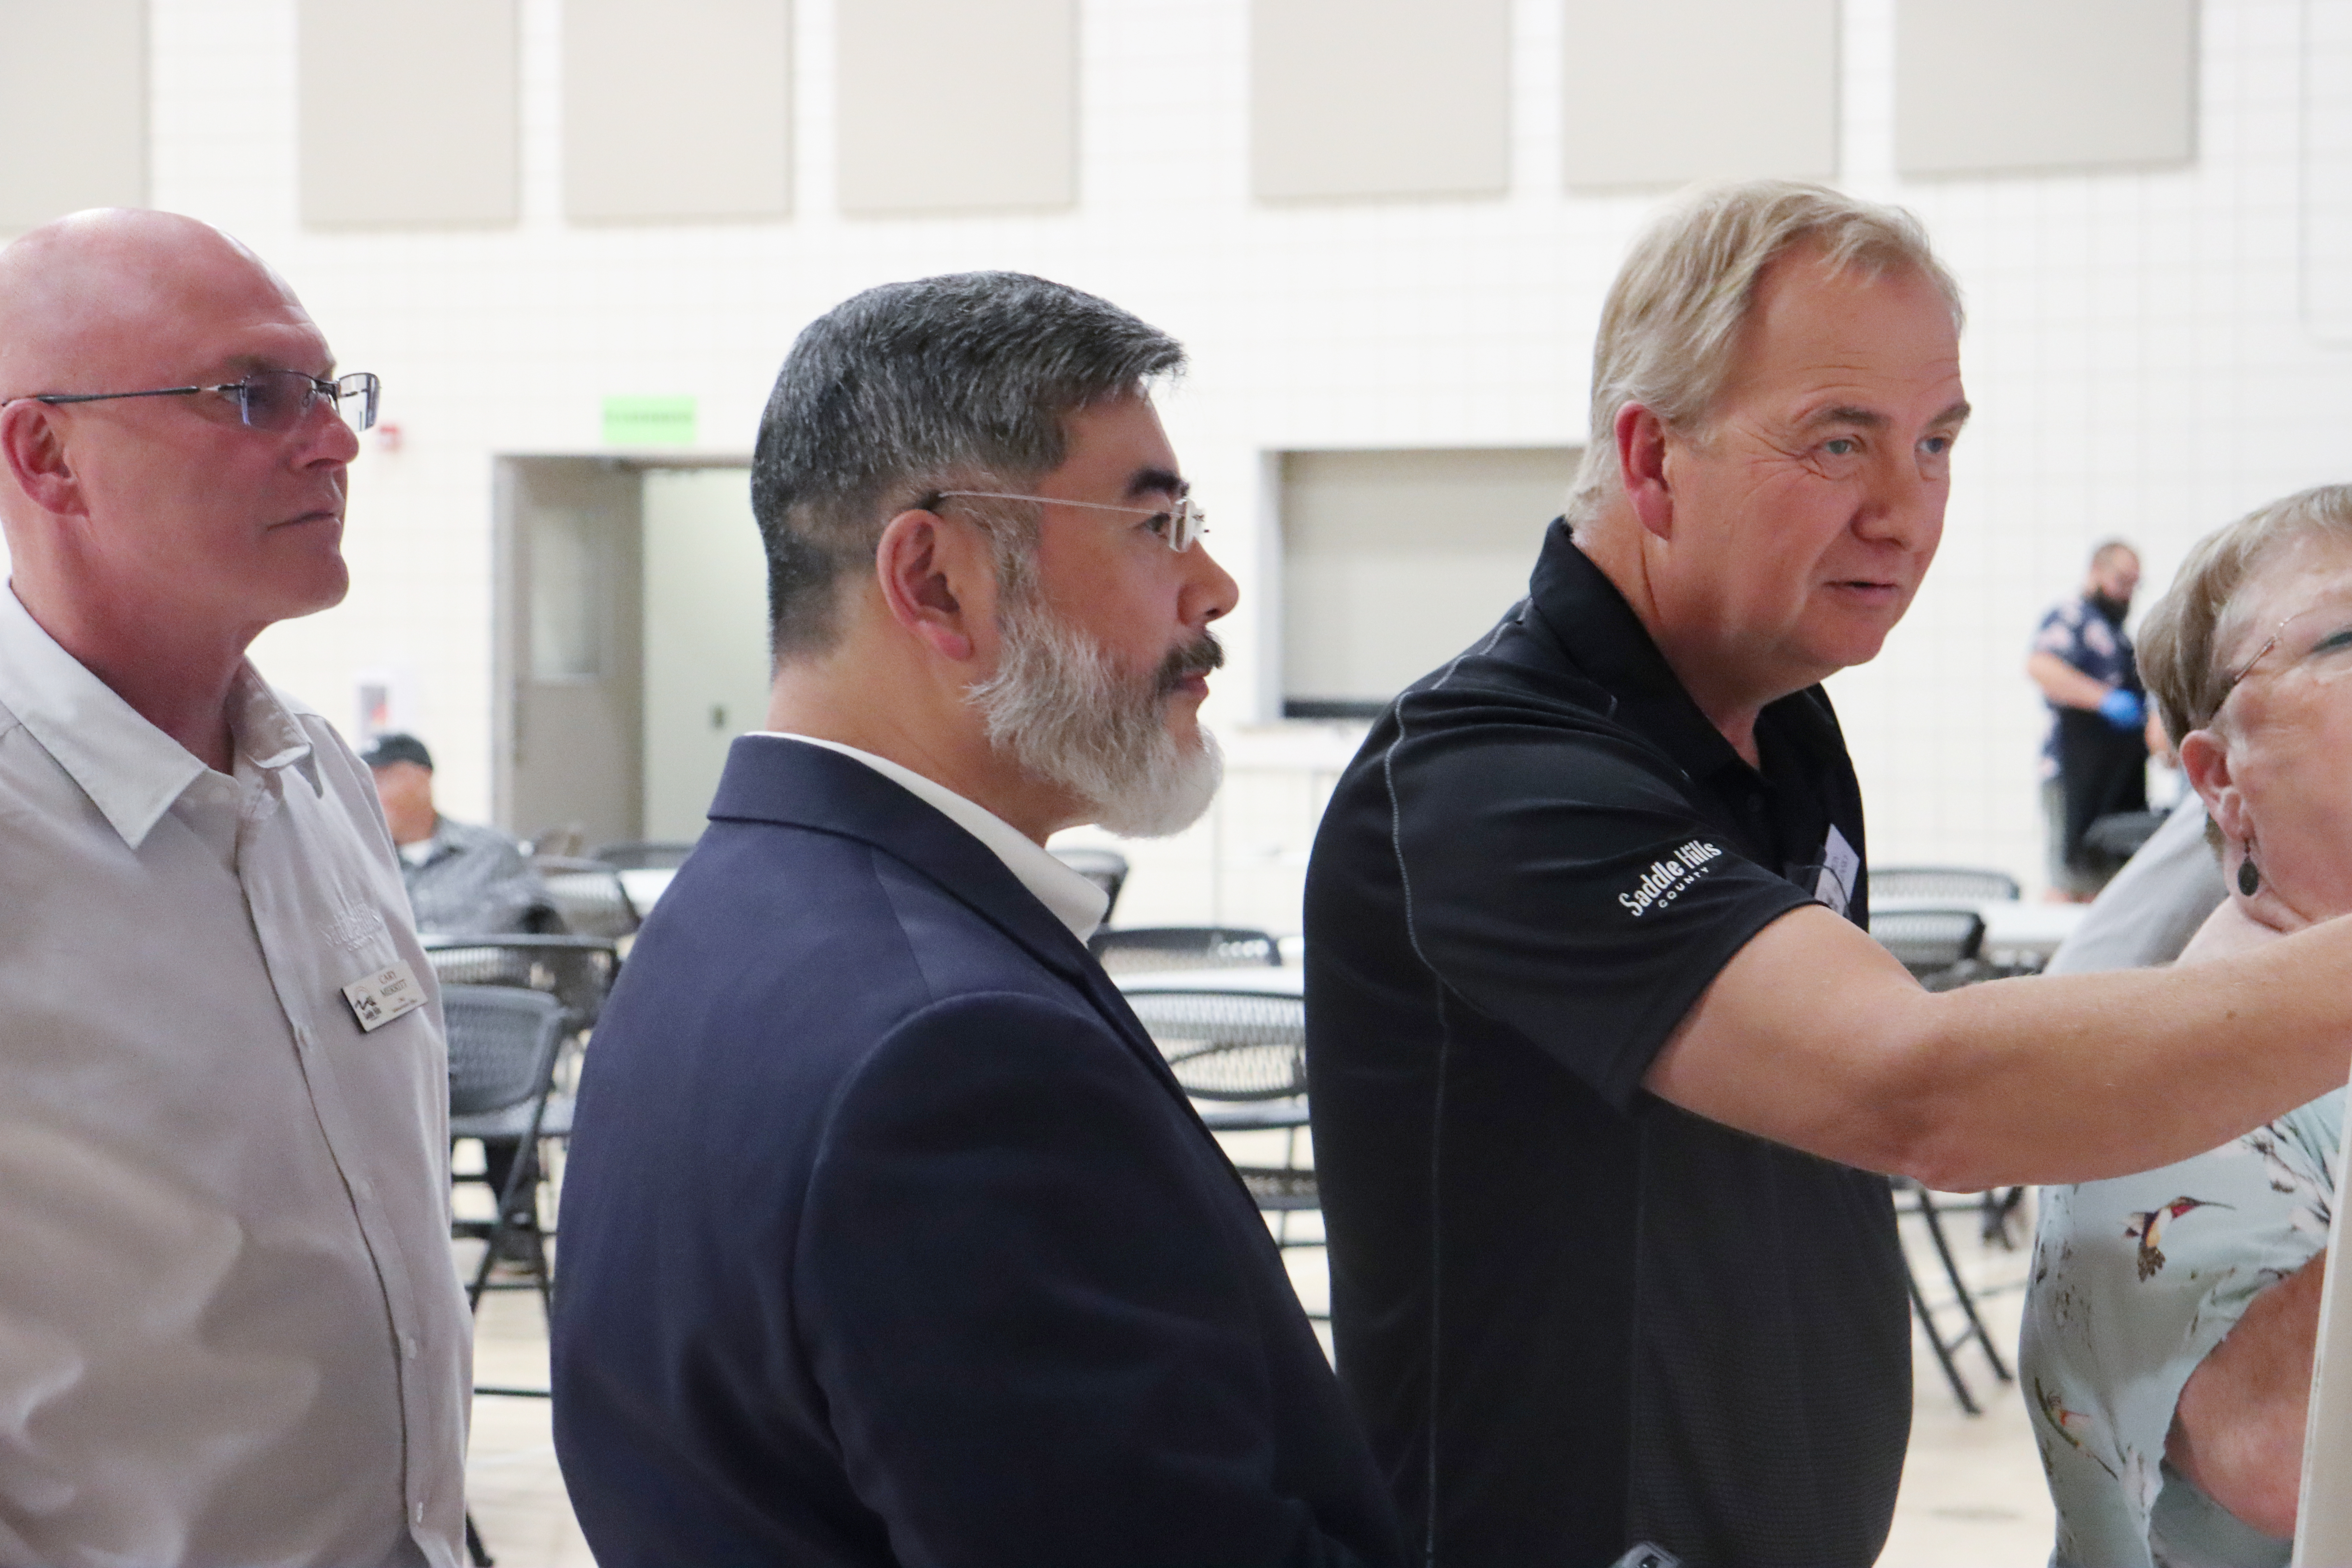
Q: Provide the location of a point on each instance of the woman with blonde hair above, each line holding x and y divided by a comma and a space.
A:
2171, 1316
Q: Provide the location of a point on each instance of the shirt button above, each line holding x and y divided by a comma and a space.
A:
364, 1187
417, 1513
408, 1345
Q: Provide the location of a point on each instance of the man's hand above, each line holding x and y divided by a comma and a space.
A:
2123, 709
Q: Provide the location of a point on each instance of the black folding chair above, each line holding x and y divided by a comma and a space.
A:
643, 855
577, 971
502, 1045
1242, 1058
1131, 949
503, 1041
1970, 1327
588, 894
1942, 948
1958, 882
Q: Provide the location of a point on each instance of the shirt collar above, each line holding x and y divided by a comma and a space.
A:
1599, 632
1072, 899
131, 770
1592, 623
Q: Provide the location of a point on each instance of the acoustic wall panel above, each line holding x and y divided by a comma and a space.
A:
2021, 85
73, 108
1360, 99
407, 112
1675, 90
951, 106
677, 112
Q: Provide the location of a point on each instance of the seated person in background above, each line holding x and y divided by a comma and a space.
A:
462, 878
2169, 1325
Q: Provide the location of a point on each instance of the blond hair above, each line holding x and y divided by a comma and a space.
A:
1671, 324
2180, 642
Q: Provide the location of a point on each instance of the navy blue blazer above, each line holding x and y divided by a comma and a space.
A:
887, 1238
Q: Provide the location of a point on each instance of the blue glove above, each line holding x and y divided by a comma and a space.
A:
2123, 709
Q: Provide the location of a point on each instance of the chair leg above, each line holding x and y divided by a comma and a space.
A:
1960, 1286
521, 1177
474, 1546
1943, 1352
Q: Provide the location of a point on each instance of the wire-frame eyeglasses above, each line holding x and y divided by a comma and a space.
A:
266, 399
1179, 526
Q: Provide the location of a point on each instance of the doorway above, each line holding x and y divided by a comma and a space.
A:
630, 643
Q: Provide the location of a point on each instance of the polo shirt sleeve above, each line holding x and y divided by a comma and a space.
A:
1561, 880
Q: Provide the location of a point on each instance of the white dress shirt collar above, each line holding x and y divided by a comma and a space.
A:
1072, 899
131, 770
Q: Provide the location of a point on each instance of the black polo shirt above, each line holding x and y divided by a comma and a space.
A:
1572, 1316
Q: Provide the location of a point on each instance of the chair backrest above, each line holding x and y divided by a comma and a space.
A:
577, 971
643, 855
1229, 1045
502, 1043
1129, 950
1940, 883
588, 894
565, 839
2115, 837
1106, 869
1929, 940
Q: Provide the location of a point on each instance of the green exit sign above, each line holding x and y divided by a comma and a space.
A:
642, 421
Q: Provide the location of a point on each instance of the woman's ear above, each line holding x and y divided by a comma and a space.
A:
2205, 758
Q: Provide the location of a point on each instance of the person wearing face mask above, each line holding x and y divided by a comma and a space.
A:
2168, 1329
2095, 762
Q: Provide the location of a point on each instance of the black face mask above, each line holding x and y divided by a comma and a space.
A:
2114, 609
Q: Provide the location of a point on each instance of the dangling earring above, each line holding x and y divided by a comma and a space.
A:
2248, 878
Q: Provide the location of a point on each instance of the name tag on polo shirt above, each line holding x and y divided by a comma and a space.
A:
379, 998
1840, 866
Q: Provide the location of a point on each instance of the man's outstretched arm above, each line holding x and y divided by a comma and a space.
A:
1815, 1037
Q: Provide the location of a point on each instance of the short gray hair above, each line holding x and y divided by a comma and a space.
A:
912, 388
1671, 324
2181, 642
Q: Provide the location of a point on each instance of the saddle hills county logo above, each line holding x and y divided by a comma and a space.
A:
353, 927
1666, 880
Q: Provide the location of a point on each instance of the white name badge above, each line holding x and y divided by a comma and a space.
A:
1840, 867
379, 998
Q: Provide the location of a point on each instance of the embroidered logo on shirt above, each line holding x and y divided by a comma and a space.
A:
356, 926
1667, 880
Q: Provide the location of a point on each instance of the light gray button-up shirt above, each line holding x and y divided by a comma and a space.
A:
230, 1331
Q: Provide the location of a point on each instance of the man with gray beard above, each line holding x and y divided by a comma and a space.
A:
889, 1236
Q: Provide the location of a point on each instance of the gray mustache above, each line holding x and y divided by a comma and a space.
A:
1194, 658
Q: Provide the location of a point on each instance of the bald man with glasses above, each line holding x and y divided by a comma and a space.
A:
229, 1327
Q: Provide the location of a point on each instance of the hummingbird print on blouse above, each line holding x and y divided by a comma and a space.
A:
2070, 1424
2148, 1225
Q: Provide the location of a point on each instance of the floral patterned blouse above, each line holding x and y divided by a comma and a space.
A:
2135, 1282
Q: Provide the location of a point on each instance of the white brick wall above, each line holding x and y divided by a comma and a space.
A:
2137, 353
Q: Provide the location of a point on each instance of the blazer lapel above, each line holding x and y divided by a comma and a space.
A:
771, 779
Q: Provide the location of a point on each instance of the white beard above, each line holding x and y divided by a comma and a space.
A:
1061, 709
